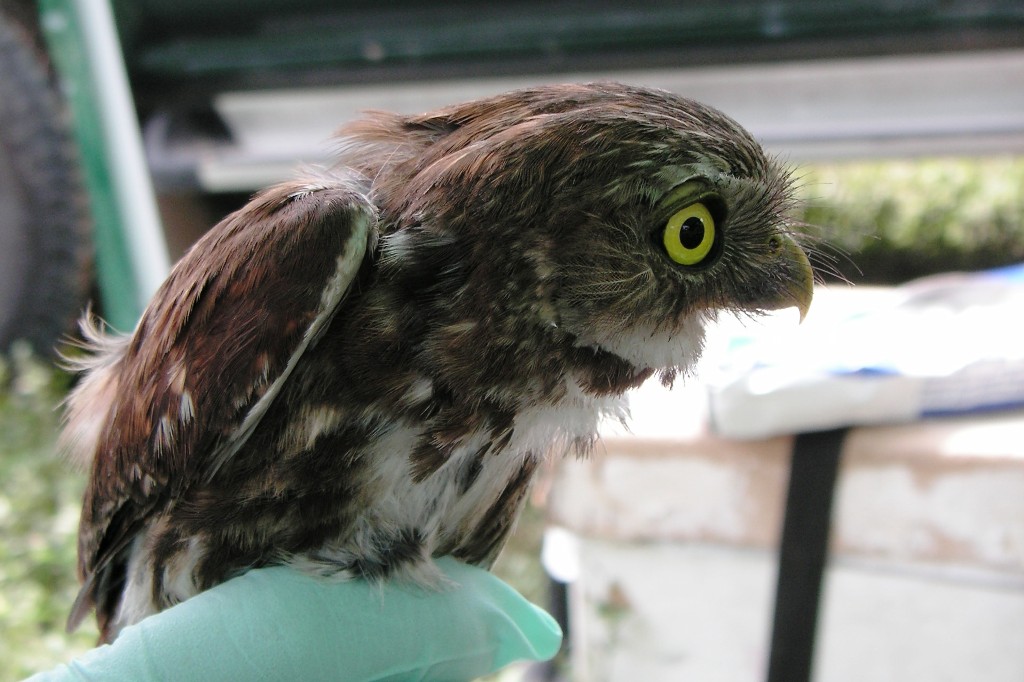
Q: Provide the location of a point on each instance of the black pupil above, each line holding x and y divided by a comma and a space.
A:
691, 234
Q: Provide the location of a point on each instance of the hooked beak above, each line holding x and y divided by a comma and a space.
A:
797, 285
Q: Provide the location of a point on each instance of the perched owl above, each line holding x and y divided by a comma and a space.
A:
362, 369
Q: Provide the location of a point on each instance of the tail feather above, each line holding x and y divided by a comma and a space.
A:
87, 407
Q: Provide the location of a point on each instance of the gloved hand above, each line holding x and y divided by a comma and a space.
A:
278, 624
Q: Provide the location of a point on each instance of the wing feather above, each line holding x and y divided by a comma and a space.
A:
208, 358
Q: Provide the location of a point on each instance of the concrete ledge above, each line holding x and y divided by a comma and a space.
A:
948, 491
678, 528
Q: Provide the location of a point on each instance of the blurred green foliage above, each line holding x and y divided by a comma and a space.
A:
891, 221
40, 497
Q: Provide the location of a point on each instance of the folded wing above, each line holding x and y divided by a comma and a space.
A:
170, 405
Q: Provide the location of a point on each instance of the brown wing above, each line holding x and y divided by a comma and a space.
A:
207, 358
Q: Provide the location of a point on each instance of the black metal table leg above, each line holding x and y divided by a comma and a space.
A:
803, 553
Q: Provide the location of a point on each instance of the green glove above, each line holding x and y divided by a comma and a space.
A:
279, 624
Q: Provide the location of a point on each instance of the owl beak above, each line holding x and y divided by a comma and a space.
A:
798, 287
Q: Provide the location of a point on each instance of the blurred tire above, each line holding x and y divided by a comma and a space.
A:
45, 246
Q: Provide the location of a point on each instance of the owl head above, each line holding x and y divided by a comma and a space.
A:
624, 216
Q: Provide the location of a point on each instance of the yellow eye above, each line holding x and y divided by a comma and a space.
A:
690, 234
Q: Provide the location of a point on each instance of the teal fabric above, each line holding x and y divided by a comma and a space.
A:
279, 624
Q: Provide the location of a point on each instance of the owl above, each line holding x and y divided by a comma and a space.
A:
362, 369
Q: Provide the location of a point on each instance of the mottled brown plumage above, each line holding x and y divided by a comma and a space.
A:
361, 369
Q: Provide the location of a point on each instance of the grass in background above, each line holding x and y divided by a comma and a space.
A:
40, 496
892, 221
